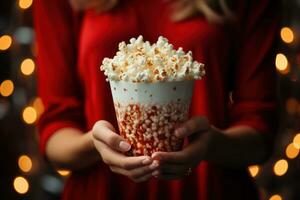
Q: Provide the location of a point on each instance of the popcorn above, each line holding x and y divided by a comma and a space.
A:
140, 61
140, 126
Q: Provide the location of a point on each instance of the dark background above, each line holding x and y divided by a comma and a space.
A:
24, 174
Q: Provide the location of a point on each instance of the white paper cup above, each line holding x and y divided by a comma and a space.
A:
148, 113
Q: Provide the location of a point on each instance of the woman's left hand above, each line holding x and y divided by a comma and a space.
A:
174, 165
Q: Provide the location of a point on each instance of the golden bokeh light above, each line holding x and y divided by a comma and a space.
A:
280, 167
63, 172
6, 88
275, 197
25, 163
38, 105
292, 106
291, 151
29, 115
5, 42
27, 66
287, 35
296, 141
281, 63
24, 4
254, 170
21, 185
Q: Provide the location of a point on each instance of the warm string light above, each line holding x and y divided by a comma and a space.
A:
287, 35
6, 88
21, 185
25, 163
275, 197
254, 170
282, 64
63, 172
280, 167
27, 66
5, 42
291, 151
296, 141
29, 115
25, 4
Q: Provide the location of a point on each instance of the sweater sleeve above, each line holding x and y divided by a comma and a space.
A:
58, 84
254, 79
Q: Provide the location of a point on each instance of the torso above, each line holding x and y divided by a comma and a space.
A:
99, 38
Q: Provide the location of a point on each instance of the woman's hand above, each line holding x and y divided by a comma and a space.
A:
111, 147
174, 165
235, 147
98, 5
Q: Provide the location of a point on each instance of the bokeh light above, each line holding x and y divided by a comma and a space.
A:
280, 167
29, 115
63, 172
6, 88
275, 197
254, 170
296, 141
292, 106
24, 4
291, 151
21, 185
25, 163
5, 42
27, 66
287, 35
282, 64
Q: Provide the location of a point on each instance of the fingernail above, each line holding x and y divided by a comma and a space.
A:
146, 161
155, 173
124, 146
154, 165
180, 131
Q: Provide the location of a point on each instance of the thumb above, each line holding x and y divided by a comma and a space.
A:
105, 132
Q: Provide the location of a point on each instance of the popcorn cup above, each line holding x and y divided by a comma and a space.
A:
148, 113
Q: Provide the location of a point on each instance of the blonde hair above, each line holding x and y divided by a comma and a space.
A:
208, 8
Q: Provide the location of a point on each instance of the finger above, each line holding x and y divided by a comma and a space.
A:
176, 157
145, 170
112, 157
104, 132
190, 155
195, 124
136, 174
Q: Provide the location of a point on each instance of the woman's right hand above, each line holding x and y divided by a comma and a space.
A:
112, 147
98, 5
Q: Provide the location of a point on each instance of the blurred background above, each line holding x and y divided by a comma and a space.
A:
25, 175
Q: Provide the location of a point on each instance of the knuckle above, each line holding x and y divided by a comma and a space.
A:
131, 175
96, 126
113, 141
100, 123
125, 166
145, 170
106, 161
112, 169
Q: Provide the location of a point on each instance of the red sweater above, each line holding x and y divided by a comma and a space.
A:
238, 59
